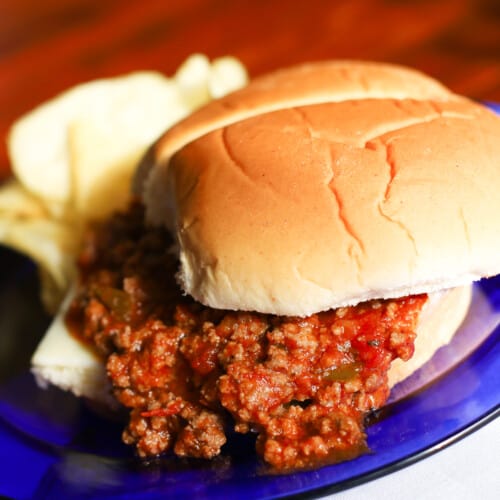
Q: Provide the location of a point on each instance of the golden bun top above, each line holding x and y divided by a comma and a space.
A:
326, 81
329, 184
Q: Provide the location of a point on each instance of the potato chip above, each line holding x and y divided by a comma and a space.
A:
73, 157
105, 151
17, 202
102, 173
226, 74
43, 168
192, 80
137, 107
200, 81
48, 243
27, 226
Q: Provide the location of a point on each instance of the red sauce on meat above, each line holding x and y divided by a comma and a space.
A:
188, 372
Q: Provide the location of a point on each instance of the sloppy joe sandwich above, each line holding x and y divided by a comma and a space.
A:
291, 251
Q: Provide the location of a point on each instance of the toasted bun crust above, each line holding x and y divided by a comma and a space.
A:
389, 186
328, 81
377, 194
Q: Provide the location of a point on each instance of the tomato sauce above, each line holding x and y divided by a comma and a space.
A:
188, 372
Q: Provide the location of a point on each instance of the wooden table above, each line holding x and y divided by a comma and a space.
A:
47, 46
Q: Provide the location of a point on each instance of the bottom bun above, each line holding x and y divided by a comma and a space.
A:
64, 361
61, 359
440, 318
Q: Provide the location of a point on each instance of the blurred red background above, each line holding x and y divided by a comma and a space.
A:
48, 46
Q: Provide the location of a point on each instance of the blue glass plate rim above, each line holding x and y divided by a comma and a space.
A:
492, 290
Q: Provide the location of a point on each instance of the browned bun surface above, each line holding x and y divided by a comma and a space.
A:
313, 206
327, 81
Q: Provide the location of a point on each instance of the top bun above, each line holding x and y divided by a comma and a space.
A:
329, 184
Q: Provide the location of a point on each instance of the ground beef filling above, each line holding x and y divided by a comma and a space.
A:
189, 373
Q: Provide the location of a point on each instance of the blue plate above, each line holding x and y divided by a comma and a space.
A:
53, 446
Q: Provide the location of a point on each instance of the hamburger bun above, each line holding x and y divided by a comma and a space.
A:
327, 81
376, 182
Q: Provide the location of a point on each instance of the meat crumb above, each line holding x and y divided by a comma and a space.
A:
188, 372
